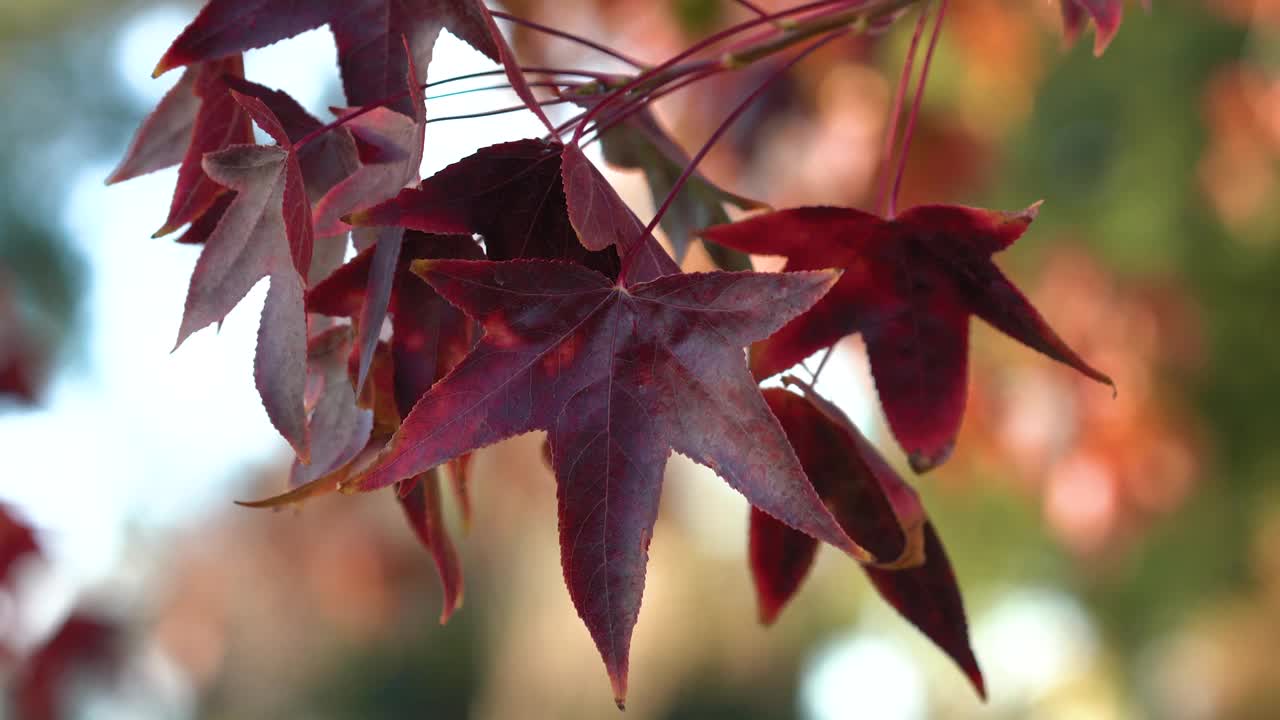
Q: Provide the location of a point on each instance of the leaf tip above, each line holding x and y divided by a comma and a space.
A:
975, 678
769, 612
422, 267
359, 217
168, 228
922, 461
619, 681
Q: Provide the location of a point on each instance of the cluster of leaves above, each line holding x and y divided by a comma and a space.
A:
523, 294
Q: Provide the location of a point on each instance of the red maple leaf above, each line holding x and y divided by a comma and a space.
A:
371, 52
878, 510
197, 116
618, 376
264, 231
909, 287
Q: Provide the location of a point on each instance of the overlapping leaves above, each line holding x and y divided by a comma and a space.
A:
524, 294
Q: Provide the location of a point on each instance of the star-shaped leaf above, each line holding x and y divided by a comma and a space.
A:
618, 377
877, 510
371, 52
264, 232
910, 285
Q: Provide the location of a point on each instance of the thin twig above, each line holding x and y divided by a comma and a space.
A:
728, 121
499, 111
813, 378
891, 125
585, 42
915, 107
752, 7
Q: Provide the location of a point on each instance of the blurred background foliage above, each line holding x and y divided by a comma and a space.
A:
1120, 557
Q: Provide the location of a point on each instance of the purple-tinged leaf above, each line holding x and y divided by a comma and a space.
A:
619, 378
162, 139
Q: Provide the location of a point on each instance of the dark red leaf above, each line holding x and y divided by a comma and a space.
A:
602, 219
375, 38
421, 503
929, 598
523, 179
618, 377
780, 561
910, 285
877, 510
220, 123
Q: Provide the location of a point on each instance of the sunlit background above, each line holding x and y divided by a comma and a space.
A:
1120, 557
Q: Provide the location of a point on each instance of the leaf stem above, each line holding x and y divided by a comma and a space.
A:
822, 364
674, 67
620, 115
497, 86
344, 119
895, 112
585, 42
752, 7
915, 107
499, 111
729, 120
